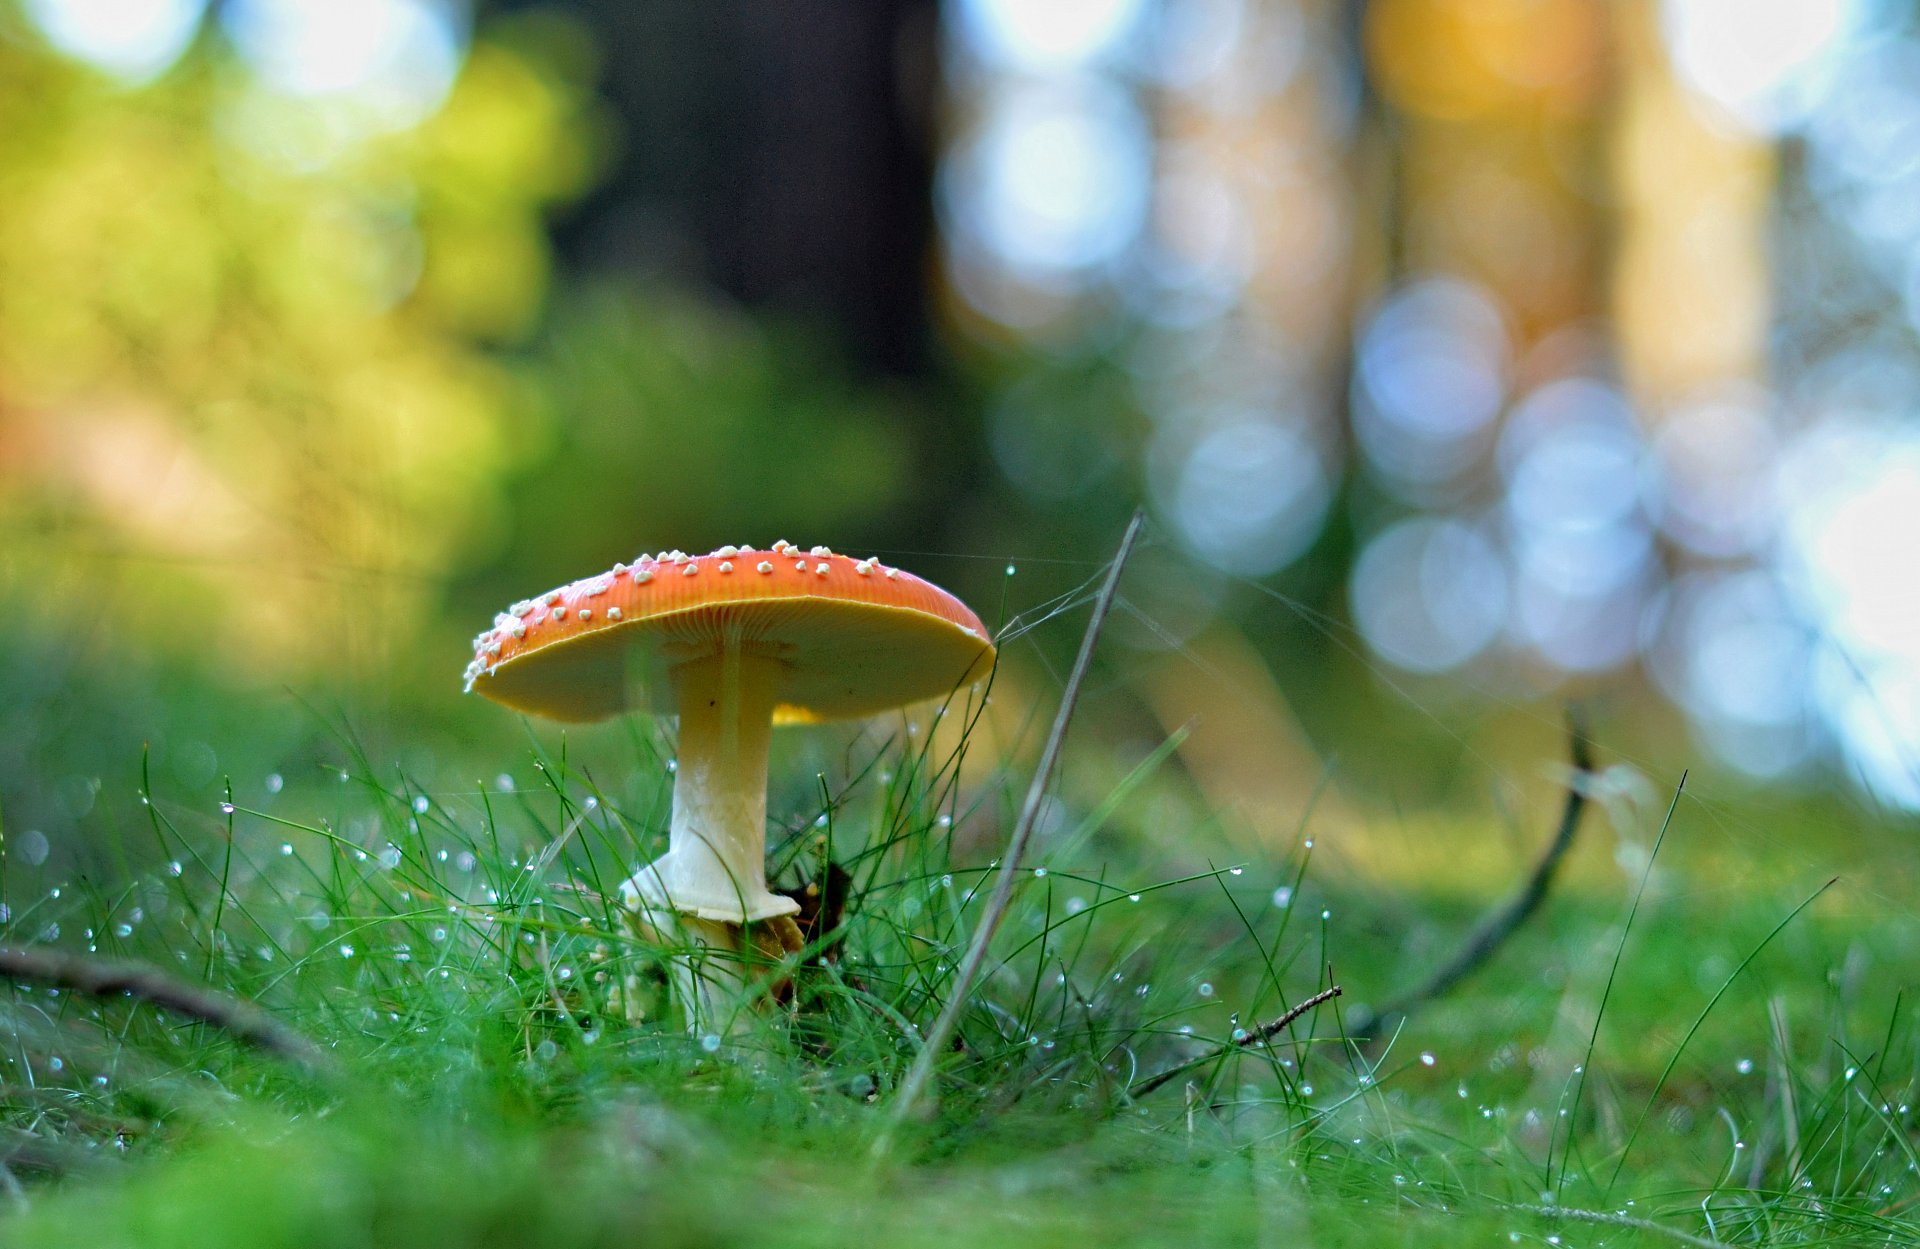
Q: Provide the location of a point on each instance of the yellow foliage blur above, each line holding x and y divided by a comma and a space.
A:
245, 384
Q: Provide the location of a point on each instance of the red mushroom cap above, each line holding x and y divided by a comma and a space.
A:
854, 637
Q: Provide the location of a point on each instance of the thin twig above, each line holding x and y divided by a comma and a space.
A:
1606, 1218
100, 978
1259, 1036
1492, 932
913, 1089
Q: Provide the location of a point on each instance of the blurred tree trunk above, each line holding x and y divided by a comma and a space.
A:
781, 152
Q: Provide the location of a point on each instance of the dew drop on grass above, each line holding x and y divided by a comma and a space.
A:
420, 804
592, 803
123, 930
346, 951
1327, 914
465, 861
673, 765
946, 821
1427, 1060
1852, 1072
275, 782
173, 869
1306, 1090
286, 848
1040, 872
439, 934
546, 1051
503, 783
390, 858
56, 1063
1009, 570
226, 808
1076, 904
710, 1043
1133, 897
1236, 871
1460, 1090
1206, 990
1283, 897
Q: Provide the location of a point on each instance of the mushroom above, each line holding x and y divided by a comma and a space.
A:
732, 643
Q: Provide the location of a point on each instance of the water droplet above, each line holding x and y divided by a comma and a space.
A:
275, 782
1076, 904
346, 951
1306, 1090
1206, 990
1040, 872
1427, 1060
1308, 843
390, 858
286, 848
1235, 871
503, 783
420, 804
1133, 897
1283, 896
1009, 570
123, 930
1852, 1072
710, 1043
946, 821
546, 1051
465, 860
592, 803
1327, 914
1744, 1066
173, 869
57, 1063
673, 765
226, 808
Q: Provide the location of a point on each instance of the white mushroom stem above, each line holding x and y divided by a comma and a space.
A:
712, 880
715, 864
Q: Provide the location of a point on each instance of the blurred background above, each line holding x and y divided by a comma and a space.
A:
1469, 355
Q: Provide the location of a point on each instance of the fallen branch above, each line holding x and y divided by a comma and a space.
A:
1259, 1036
100, 978
913, 1088
1492, 932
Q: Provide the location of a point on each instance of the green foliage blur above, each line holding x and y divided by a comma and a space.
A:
291, 401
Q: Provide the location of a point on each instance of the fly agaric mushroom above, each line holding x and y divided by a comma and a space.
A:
732, 643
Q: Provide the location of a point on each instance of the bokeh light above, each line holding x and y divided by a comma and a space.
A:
1429, 594
1247, 497
395, 58
1764, 61
130, 39
1429, 379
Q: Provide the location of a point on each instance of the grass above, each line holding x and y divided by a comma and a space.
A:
1680, 1052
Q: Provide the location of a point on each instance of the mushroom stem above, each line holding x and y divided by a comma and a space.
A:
712, 880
